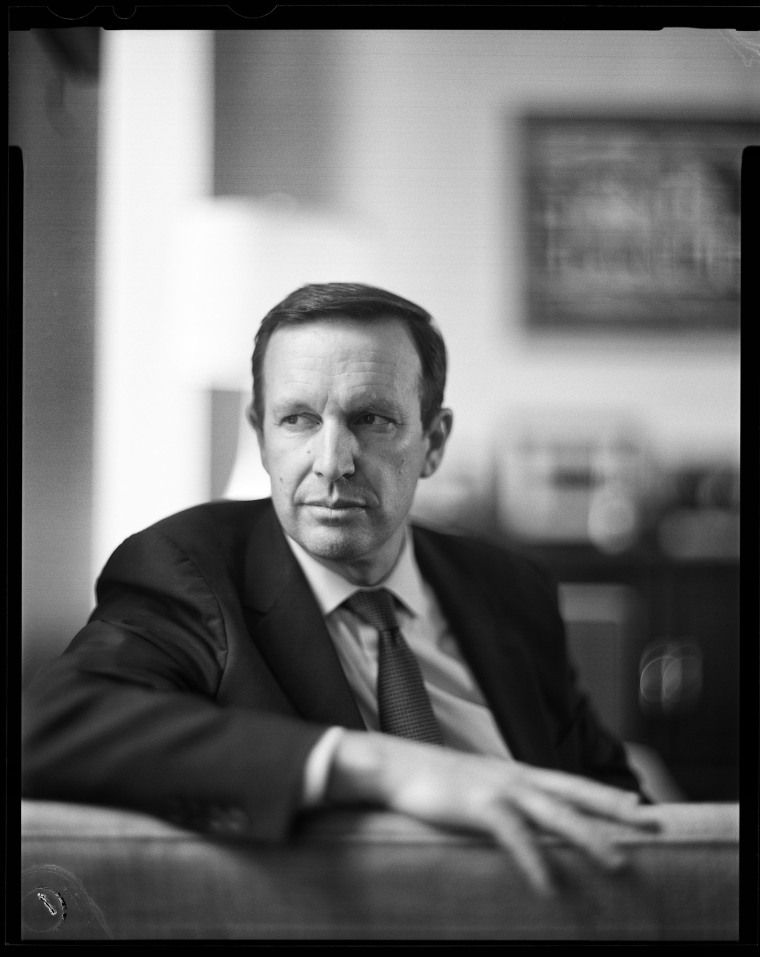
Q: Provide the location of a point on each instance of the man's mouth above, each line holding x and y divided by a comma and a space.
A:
336, 506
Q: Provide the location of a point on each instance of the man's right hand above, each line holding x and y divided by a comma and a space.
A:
510, 801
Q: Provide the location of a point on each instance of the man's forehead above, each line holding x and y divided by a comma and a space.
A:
361, 359
352, 335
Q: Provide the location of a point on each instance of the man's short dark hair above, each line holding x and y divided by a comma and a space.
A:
356, 301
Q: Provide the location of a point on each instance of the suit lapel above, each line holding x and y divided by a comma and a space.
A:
286, 625
494, 649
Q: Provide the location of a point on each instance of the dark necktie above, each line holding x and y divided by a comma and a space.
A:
402, 701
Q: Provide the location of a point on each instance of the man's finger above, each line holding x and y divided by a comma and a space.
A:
589, 835
520, 840
595, 799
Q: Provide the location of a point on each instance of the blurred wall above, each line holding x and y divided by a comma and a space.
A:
52, 117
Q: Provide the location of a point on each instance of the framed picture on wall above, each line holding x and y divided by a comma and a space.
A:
633, 223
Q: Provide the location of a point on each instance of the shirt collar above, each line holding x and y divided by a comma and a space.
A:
331, 589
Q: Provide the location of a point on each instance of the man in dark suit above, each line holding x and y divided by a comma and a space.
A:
227, 679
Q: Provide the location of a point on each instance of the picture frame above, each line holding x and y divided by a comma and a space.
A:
633, 223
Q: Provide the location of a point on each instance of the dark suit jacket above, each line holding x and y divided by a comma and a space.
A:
206, 674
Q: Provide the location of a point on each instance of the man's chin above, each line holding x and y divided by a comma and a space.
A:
359, 551
335, 543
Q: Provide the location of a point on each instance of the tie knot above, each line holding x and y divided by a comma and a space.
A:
375, 607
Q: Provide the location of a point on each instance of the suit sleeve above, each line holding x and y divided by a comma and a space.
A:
128, 715
588, 746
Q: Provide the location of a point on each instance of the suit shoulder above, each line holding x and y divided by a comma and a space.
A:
212, 535
205, 545
219, 519
492, 561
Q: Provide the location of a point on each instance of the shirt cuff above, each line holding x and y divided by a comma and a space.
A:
317, 768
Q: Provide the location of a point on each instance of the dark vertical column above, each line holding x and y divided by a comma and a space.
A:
274, 109
53, 104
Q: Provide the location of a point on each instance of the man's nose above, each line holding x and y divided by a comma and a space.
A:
335, 449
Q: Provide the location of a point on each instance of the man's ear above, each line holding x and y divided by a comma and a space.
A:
250, 414
256, 425
437, 437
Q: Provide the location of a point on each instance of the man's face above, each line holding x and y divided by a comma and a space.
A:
342, 439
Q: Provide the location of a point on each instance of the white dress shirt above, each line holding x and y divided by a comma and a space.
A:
464, 717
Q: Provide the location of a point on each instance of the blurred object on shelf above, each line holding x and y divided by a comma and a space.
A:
460, 499
576, 477
700, 513
670, 679
587, 478
700, 533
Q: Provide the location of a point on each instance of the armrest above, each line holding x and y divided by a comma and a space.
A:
366, 876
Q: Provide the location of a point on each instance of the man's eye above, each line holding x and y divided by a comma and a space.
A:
296, 420
374, 420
